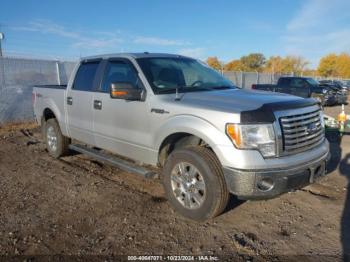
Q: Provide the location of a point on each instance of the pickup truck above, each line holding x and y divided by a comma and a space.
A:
305, 87
174, 117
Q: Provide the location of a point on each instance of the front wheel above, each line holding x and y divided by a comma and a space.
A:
194, 183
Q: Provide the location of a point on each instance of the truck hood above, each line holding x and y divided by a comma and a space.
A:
233, 100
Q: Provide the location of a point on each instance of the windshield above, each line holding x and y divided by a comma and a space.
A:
166, 74
312, 81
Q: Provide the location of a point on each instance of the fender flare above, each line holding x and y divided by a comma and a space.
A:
195, 126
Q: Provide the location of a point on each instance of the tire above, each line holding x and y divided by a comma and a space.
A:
56, 143
213, 196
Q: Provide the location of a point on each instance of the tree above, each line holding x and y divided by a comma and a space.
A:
309, 72
294, 64
214, 62
274, 65
253, 62
343, 65
328, 65
234, 65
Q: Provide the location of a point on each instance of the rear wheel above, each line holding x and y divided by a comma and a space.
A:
56, 143
194, 183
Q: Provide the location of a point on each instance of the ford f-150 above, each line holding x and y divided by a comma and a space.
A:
175, 116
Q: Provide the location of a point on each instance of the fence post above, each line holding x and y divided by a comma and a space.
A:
2, 74
241, 78
58, 73
272, 78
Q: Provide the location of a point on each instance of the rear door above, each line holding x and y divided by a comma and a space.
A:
299, 87
79, 102
283, 86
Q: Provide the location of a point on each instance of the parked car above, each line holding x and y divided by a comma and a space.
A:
301, 86
341, 93
188, 124
347, 84
341, 85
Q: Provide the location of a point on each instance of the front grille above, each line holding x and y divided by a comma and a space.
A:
301, 132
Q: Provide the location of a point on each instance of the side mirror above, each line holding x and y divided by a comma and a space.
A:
125, 90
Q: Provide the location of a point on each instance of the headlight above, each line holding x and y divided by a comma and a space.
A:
254, 136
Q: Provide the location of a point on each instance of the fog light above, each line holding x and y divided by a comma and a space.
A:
265, 184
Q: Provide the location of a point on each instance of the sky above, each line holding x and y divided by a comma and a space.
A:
228, 29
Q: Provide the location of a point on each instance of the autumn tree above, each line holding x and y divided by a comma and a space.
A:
295, 64
253, 62
214, 62
309, 72
343, 65
328, 65
234, 65
274, 65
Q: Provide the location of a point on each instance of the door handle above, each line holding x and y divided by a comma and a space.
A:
98, 104
69, 100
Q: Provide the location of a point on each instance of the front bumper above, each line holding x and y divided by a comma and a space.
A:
269, 183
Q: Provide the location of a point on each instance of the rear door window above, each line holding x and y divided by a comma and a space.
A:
84, 79
298, 83
285, 82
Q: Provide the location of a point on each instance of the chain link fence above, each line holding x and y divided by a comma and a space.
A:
19, 75
247, 79
17, 78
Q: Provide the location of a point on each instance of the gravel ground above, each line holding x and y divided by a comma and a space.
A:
78, 206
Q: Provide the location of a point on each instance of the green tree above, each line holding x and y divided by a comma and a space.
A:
253, 62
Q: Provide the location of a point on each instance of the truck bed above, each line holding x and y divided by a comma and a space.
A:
52, 97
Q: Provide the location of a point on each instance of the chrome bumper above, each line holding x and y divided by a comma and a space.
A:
269, 183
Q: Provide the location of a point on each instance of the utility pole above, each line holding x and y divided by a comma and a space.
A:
2, 36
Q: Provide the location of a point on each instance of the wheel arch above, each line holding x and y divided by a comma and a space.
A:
188, 131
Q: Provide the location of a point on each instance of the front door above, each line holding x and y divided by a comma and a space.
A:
122, 126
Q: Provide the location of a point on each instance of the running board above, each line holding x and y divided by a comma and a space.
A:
114, 161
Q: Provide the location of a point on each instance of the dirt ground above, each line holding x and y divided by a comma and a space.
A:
78, 206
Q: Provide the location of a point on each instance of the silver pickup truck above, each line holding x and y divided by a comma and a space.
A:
206, 137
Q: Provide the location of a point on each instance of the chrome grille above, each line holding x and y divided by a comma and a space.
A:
301, 132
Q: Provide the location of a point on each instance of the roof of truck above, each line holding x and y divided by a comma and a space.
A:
131, 55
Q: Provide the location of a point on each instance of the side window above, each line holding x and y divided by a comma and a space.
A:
298, 83
285, 82
119, 72
85, 76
